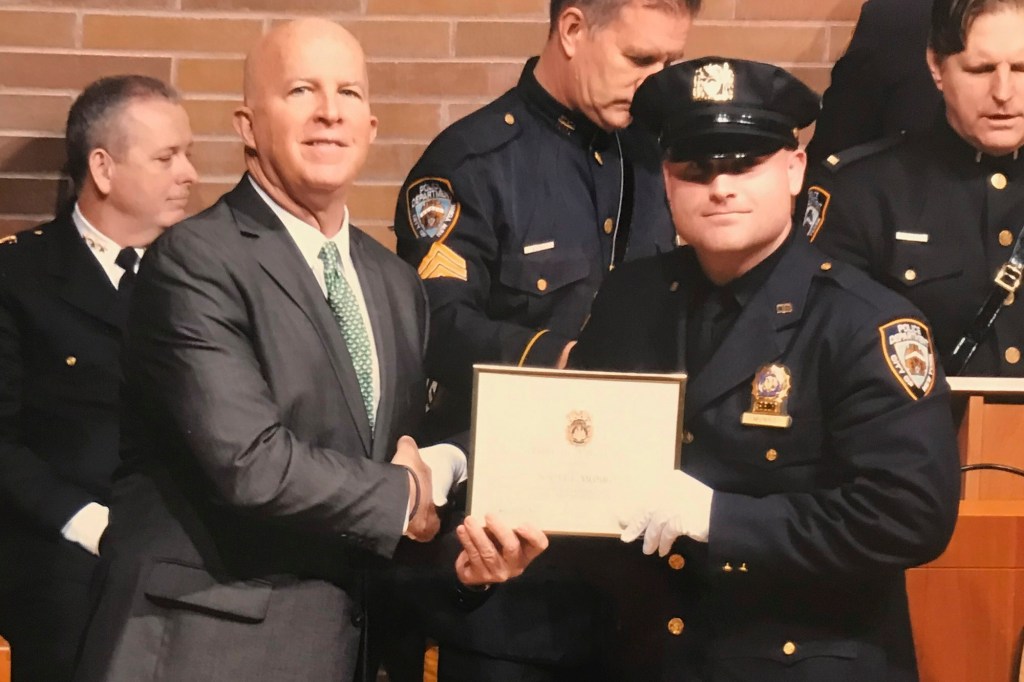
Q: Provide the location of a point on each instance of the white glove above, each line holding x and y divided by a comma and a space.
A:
675, 506
87, 526
447, 469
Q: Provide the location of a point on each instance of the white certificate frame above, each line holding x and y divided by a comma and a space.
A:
527, 463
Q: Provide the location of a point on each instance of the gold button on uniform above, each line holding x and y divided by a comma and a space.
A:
771, 455
675, 626
1012, 355
826, 266
743, 568
71, 360
1005, 238
510, 119
598, 158
998, 181
910, 275
687, 437
727, 568
676, 562
542, 284
609, 226
789, 648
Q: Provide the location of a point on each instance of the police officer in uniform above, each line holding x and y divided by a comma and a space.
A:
64, 291
819, 459
935, 216
513, 217
515, 214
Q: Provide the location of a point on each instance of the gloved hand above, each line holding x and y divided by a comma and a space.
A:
447, 469
674, 506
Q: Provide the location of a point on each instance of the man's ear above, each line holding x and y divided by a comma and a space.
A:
242, 121
101, 170
796, 169
935, 67
570, 28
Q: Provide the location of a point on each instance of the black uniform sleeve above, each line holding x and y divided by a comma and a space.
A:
28, 483
852, 106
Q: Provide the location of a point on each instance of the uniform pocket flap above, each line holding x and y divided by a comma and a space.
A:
179, 585
788, 651
543, 272
914, 264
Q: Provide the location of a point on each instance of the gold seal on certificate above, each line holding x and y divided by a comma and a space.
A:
770, 391
580, 428
559, 448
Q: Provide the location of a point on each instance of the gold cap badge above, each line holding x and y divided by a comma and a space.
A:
714, 83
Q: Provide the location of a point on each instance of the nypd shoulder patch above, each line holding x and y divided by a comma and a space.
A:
818, 199
907, 346
432, 208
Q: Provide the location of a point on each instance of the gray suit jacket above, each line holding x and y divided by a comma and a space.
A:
254, 498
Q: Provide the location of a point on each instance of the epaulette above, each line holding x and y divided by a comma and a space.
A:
839, 160
484, 130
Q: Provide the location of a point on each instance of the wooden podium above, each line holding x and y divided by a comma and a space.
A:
5, 661
967, 606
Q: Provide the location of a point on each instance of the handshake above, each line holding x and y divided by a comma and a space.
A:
492, 552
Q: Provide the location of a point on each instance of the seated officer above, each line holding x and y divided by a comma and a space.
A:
934, 216
820, 459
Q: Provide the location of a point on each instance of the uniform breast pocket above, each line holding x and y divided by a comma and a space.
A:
542, 280
787, 458
915, 265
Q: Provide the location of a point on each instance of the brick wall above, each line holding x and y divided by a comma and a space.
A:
430, 62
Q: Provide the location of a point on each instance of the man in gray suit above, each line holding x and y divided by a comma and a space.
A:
273, 362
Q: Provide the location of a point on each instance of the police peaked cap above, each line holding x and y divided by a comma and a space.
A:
715, 107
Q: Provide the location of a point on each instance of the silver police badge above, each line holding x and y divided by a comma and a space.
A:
432, 208
814, 214
907, 345
714, 83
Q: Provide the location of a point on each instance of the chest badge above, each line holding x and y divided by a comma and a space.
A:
769, 398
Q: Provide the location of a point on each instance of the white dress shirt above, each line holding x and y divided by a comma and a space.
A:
102, 247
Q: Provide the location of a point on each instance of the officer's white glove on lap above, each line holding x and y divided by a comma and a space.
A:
674, 506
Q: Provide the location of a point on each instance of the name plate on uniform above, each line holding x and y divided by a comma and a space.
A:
564, 450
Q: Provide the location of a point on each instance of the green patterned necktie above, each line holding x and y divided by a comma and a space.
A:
346, 311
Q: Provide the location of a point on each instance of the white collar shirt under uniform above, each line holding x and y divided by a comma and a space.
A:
102, 247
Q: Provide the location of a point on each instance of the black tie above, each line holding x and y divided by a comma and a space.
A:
710, 318
126, 259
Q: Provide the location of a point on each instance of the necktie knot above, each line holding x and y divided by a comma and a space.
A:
127, 258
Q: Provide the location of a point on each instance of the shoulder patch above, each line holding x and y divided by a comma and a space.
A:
9, 239
907, 346
432, 208
848, 156
442, 261
817, 206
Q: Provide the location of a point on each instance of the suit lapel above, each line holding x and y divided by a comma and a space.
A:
761, 332
281, 260
371, 281
78, 276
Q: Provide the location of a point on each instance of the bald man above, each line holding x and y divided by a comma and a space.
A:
274, 358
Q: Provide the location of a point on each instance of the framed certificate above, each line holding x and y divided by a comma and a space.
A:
565, 449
